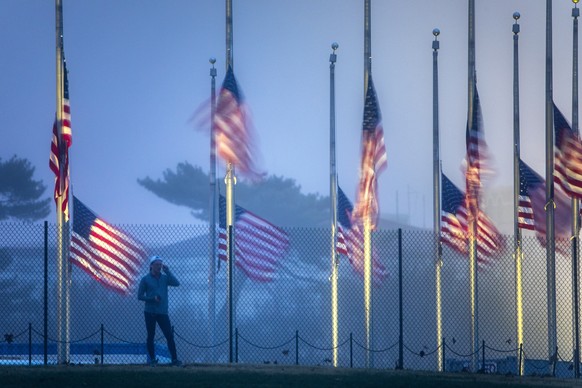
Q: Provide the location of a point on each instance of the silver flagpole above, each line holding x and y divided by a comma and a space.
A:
550, 232
230, 181
517, 240
436, 196
333, 197
63, 307
575, 202
212, 226
367, 220
473, 208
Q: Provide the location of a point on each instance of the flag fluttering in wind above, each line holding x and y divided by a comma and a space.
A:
374, 159
568, 156
532, 213
259, 245
477, 160
454, 225
350, 241
59, 154
232, 128
109, 255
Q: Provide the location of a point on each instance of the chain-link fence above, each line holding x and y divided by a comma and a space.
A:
288, 320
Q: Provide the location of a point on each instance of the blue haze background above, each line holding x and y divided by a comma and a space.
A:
138, 69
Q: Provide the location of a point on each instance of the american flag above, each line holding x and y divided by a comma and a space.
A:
477, 160
374, 159
232, 128
109, 255
259, 245
568, 156
350, 242
59, 155
532, 212
454, 225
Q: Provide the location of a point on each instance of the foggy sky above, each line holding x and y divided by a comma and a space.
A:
138, 69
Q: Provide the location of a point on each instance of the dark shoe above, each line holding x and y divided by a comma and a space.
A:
176, 363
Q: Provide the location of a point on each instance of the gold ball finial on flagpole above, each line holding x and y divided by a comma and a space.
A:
334, 46
516, 16
436, 32
575, 1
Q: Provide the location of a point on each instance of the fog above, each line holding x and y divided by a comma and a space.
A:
139, 69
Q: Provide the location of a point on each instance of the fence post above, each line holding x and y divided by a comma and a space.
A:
400, 303
519, 371
236, 345
296, 347
351, 352
444, 359
29, 343
102, 342
45, 313
483, 362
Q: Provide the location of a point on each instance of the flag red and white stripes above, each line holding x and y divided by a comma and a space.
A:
350, 242
108, 254
232, 129
59, 154
374, 160
259, 245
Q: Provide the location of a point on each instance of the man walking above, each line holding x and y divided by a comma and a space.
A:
153, 290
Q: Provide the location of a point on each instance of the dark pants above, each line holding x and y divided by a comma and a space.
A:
164, 322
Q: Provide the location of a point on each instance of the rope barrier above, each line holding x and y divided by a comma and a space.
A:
265, 347
376, 350
463, 355
201, 346
422, 353
67, 342
529, 362
318, 348
12, 337
502, 351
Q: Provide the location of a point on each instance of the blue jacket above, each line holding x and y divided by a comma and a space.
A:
150, 287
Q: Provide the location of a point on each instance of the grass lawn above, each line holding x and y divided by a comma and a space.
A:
252, 376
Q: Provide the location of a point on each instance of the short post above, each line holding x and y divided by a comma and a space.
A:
102, 343
483, 357
29, 343
519, 371
351, 351
236, 345
554, 362
443, 350
296, 347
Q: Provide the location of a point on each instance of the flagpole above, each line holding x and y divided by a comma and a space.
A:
230, 181
575, 201
333, 197
367, 221
436, 196
63, 326
517, 238
473, 206
213, 192
550, 205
